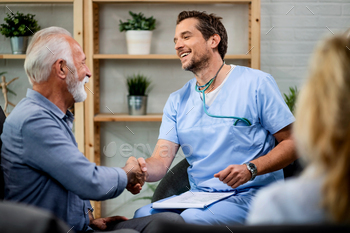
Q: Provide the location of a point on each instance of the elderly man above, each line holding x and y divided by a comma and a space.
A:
41, 163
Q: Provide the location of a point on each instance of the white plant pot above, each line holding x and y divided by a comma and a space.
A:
139, 42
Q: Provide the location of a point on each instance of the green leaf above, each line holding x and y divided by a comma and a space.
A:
152, 187
138, 22
12, 92
143, 198
138, 84
291, 98
19, 24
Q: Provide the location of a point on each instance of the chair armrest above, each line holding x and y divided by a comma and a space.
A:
174, 182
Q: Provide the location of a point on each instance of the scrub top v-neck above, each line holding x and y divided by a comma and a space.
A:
211, 144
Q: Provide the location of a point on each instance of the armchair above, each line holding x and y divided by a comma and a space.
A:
2, 184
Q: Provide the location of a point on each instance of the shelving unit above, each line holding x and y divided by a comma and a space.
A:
93, 116
124, 117
78, 36
36, 1
12, 56
159, 56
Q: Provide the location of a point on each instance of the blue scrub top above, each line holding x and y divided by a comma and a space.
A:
211, 144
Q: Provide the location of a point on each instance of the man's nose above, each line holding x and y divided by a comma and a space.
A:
178, 44
88, 72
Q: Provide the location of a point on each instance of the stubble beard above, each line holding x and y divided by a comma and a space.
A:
195, 65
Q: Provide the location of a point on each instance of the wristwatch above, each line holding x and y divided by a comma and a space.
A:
252, 168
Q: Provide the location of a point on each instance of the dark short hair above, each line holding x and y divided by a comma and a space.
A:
208, 25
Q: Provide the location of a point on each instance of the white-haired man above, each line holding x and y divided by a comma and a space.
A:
41, 163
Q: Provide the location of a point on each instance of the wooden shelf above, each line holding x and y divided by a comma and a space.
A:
174, 1
160, 56
36, 1
12, 56
107, 117
127, 56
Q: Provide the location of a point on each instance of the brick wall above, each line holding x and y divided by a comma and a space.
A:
289, 32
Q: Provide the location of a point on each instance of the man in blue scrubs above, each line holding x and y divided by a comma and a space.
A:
224, 154
41, 163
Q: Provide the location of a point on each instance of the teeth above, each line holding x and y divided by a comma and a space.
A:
184, 54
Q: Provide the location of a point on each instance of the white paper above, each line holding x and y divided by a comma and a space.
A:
191, 200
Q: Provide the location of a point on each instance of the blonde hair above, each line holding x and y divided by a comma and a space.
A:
322, 127
347, 33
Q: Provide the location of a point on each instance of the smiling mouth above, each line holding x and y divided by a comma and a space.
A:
184, 55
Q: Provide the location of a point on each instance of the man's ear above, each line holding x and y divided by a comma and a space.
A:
60, 68
214, 41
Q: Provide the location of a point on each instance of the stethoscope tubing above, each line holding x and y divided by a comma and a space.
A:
206, 86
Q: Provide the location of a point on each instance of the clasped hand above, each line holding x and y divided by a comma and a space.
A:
102, 223
136, 177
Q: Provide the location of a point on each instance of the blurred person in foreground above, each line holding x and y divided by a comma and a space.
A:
322, 133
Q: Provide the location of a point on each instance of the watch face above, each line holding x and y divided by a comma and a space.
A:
252, 168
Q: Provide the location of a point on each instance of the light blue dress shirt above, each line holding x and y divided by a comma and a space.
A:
43, 167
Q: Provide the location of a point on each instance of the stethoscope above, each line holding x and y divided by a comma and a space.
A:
206, 86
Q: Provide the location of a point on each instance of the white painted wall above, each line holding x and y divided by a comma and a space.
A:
287, 41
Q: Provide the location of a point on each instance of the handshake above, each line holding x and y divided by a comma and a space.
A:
136, 173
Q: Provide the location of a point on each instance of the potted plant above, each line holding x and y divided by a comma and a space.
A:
291, 98
18, 27
138, 33
138, 88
